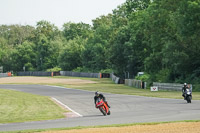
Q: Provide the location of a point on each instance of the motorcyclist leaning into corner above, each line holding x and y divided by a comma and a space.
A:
184, 89
99, 95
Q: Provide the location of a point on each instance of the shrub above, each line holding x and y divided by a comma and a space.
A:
55, 69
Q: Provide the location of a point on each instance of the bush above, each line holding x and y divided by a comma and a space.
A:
80, 69
145, 77
163, 75
106, 71
55, 69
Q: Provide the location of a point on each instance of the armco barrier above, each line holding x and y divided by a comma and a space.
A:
169, 86
135, 83
115, 78
79, 74
5, 74
34, 73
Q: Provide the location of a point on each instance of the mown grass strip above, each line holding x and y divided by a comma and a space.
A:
101, 126
18, 106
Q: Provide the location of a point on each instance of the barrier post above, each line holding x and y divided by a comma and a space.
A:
9, 74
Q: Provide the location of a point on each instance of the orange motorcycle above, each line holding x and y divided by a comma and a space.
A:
103, 107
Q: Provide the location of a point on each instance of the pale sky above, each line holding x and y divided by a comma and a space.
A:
57, 12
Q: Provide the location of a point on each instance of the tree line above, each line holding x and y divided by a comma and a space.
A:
158, 37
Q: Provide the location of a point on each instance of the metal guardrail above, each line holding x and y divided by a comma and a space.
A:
115, 78
170, 86
3, 75
39, 73
135, 83
79, 74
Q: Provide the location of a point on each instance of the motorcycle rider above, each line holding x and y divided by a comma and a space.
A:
184, 89
101, 96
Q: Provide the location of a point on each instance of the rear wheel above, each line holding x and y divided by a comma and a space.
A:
102, 111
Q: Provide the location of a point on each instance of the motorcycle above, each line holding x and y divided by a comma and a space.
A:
102, 106
188, 95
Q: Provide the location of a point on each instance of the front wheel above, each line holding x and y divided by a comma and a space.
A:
189, 99
108, 112
102, 111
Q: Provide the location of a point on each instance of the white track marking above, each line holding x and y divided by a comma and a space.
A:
67, 107
68, 88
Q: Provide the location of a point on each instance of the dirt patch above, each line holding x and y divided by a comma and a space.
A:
43, 80
182, 127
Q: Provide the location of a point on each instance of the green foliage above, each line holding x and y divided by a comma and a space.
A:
163, 75
70, 56
106, 71
55, 69
145, 77
48, 45
73, 30
81, 69
24, 56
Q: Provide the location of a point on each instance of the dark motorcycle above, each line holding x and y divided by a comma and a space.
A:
102, 106
188, 95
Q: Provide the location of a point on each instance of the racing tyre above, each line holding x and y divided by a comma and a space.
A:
108, 112
102, 111
189, 99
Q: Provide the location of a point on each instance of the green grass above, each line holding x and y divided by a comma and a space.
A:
18, 106
107, 85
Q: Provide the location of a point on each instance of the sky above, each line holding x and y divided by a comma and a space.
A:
57, 12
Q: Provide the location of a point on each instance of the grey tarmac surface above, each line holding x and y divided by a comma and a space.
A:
124, 108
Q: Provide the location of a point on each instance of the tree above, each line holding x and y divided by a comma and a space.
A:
187, 19
16, 34
95, 55
24, 56
73, 30
46, 35
70, 57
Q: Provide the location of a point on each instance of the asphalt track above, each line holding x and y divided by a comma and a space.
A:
124, 108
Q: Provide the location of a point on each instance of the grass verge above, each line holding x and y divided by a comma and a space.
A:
104, 126
18, 106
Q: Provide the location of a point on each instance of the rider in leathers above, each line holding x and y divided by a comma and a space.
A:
101, 96
184, 89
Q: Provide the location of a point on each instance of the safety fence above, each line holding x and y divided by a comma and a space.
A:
135, 83
38, 73
169, 86
80, 74
116, 79
5, 74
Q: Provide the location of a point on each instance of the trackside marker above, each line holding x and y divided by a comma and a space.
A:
65, 106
